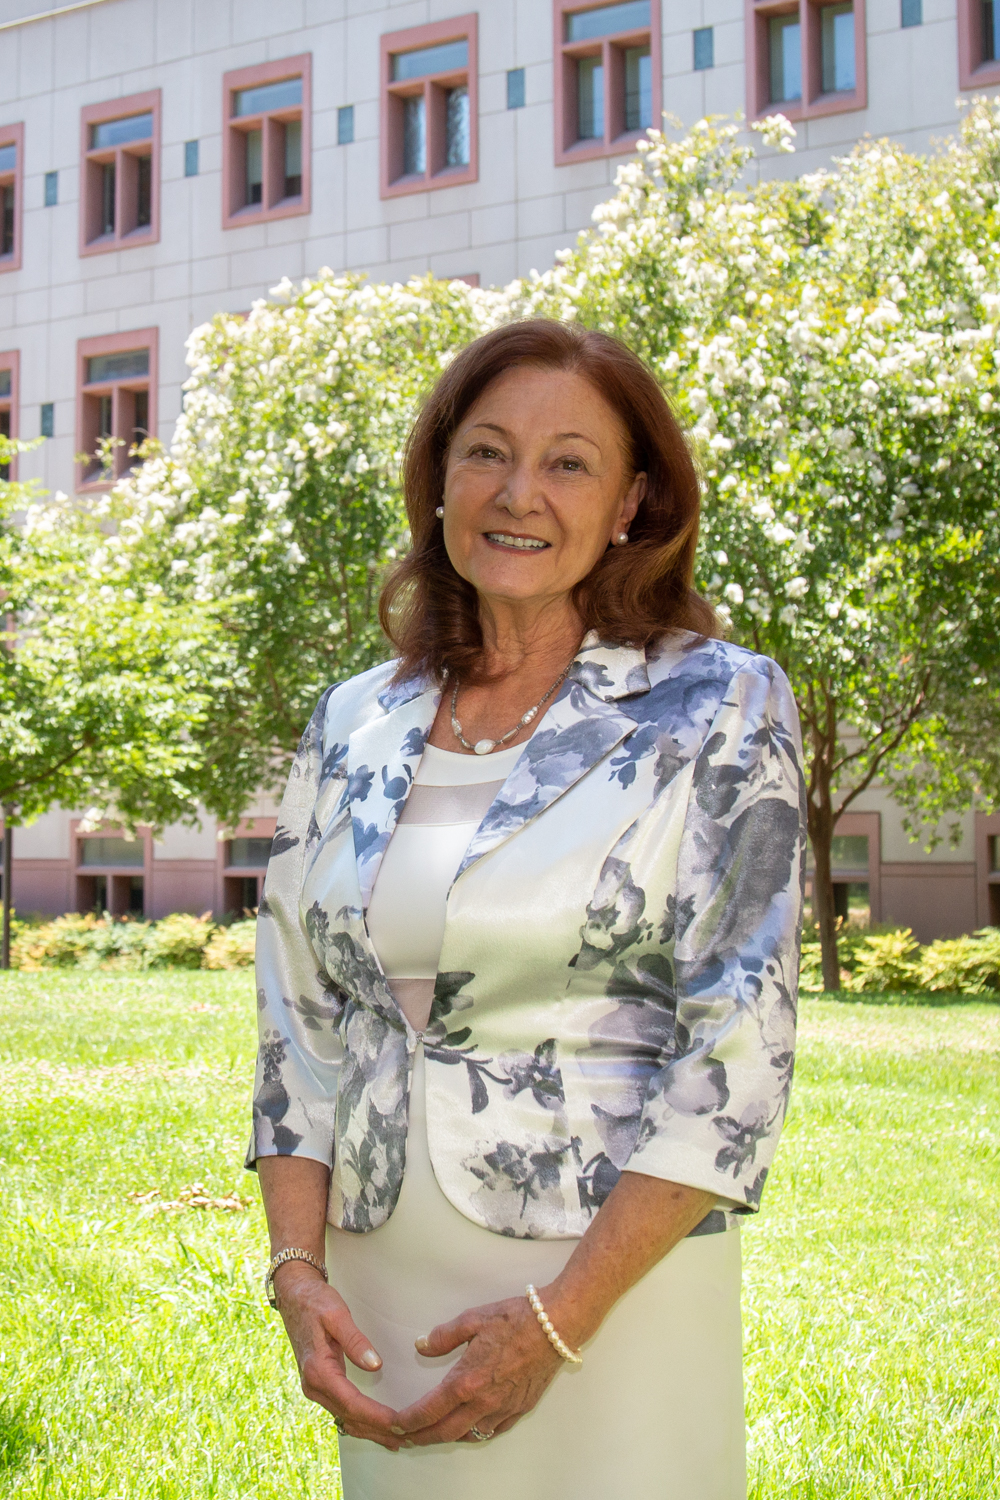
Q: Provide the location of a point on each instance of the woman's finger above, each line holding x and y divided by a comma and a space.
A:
448, 1336
324, 1381
341, 1327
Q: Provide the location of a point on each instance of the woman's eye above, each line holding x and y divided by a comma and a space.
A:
484, 452
575, 465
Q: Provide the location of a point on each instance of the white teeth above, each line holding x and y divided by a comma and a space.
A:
531, 543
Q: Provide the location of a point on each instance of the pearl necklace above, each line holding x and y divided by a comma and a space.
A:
483, 747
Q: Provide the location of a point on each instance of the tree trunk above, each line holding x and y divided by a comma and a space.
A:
8, 865
821, 823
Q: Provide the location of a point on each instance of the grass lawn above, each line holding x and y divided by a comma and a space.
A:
136, 1362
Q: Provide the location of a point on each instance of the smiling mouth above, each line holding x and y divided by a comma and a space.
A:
516, 543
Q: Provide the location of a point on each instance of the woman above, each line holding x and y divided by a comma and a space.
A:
527, 964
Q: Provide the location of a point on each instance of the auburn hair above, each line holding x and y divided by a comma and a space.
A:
633, 594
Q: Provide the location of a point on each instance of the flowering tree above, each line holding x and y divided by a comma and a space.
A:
833, 343
278, 499
102, 691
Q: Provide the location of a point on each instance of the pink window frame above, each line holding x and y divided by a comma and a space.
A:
814, 103
13, 135
235, 213
972, 73
11, 361
114, 343
392, 182
81, 872
246, 828
99, 114
566, 54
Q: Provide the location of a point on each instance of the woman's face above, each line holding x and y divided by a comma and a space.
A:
536, 486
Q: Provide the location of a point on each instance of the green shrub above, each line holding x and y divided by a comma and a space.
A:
885, 961
965, 965
231, 947
178, 941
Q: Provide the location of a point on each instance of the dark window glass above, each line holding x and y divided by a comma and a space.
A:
121, 132
447, 57
911, 13
851, 899
108, 198
248, 897
293, 159
590, 98
8, 158
136, 904
515, 88
991, 31
255, 166
190, 158
633, 15
5, 432
7, 220
5, 382
837, 47
140, 430
457, 128
283, 95
414, 137
785, 38
144, 190
994, 852
51, 189
126, 366
638, 88
249, 854
345, 124
110, 851
47, 419
104, 414
704, 48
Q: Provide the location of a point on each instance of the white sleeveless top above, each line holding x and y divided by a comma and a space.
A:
449, 798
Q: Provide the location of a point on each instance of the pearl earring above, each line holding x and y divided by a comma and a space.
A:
622, 538
439, 512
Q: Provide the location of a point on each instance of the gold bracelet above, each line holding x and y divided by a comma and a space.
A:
558, 1344
282, 1257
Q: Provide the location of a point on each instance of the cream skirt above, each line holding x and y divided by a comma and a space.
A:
654, 1413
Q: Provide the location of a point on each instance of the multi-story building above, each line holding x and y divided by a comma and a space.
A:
162, 160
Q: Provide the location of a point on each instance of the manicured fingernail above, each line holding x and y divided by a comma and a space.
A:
399, 1431
370, 1360
409, 1444
421, 1345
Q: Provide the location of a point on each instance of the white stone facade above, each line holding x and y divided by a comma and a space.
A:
523, 207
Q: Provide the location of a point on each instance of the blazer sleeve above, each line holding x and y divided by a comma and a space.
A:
715, 1106
298, 1009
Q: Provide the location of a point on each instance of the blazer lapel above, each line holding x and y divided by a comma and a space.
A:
583, 725
382, 759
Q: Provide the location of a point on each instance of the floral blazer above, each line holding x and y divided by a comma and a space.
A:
617, 981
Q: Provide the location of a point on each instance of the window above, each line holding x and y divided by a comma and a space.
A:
978, 43
51, 189
345, 125
11, 180
704, 48
120, 173
243, 873
515, 88
106, 878
430, 127
911, 13
805, 57
116, 400
267, 144
9, 367
190, 158
608, 76
47, 419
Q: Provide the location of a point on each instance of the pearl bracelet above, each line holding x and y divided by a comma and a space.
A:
558, 1344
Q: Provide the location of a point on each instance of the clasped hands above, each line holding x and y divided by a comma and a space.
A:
507, 1365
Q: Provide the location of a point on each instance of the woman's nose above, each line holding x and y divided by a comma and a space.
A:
522, 495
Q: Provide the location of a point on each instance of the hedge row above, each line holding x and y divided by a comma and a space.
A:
178, 941
892, 959
871, 959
